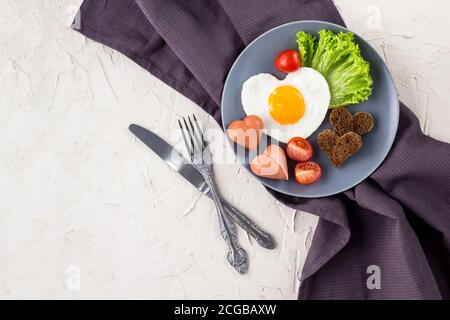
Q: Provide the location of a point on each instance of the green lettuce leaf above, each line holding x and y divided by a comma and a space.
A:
338, 58
307, 44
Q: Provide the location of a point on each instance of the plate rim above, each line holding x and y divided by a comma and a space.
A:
389, 143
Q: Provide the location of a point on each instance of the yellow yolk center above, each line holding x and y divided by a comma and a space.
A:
286, 105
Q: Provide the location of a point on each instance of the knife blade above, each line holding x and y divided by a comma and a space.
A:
177, 162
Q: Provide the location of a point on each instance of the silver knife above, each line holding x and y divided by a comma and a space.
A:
176, 161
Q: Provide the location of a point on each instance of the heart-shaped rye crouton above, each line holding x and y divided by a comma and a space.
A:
271, 164
246, 132
343, 121
339, 149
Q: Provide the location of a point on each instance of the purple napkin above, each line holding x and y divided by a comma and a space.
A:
396, 224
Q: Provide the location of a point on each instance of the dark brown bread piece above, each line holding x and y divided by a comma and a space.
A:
327, 139
342, 121
363, 123
339, 149
345, 140
346, 146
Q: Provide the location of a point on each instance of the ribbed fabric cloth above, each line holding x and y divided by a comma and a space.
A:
398, 219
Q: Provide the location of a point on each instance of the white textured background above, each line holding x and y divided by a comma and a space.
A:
86, 211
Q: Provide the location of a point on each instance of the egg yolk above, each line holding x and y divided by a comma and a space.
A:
286, 105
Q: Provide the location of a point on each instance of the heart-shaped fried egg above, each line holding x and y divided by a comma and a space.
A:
293, 107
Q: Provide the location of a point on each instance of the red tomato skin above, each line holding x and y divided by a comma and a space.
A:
314, 176
299, 149
288, 61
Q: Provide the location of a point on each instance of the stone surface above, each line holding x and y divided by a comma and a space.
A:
86, 211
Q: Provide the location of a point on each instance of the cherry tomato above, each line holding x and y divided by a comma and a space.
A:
288, 61
299, 149
307, 172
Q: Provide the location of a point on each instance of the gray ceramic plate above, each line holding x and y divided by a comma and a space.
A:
258, 57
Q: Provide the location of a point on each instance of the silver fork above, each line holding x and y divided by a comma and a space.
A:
202, 160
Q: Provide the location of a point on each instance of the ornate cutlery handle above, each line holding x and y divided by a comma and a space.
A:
237, 257
264, 239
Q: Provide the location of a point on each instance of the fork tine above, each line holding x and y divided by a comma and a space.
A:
197, 133
185, 138
200, 131
193, 151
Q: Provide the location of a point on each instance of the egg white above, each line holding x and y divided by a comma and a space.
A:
316, 94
